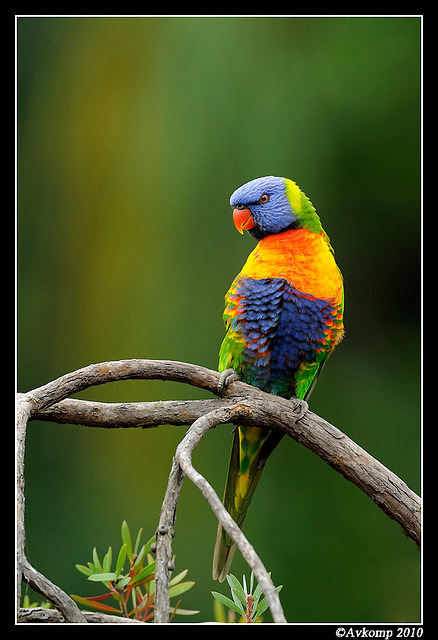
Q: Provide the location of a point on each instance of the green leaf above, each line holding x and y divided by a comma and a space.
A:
178, 577
258, 591
182, 612
144, 574
263, 605
96, 560
126, 539
237, 591
227, 602
122, 582
234, 583
178, 589
85, 570
137, 540
121, 559
107, 561
103, 577
143, 581
239, 597
261, 608
139, 558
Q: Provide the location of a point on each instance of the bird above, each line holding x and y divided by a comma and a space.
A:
283, 318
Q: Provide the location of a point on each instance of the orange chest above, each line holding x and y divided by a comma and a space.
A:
301, 257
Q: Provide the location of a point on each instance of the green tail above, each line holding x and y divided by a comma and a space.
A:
251, 448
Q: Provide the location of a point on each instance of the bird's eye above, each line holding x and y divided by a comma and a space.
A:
264, 198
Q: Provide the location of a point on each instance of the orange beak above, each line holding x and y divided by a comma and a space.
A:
243, 220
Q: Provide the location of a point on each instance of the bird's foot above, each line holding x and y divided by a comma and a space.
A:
225, 378
300, 408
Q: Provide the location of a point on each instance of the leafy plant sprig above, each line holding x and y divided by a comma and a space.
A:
133, 590
248, 603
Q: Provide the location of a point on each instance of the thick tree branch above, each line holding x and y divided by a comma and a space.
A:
52, 593
388, 491
252, 406
116, 415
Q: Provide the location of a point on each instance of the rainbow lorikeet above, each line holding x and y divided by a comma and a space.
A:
283, 318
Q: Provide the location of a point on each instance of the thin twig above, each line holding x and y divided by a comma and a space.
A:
183, 458
182, 466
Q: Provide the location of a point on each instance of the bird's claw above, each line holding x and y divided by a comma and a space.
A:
300, 408
225, 378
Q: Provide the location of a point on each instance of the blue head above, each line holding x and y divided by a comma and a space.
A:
269, 205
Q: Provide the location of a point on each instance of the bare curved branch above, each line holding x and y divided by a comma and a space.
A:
182, 466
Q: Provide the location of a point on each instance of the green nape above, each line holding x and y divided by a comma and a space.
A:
303, 208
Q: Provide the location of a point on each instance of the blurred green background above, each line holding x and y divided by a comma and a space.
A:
132, 134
